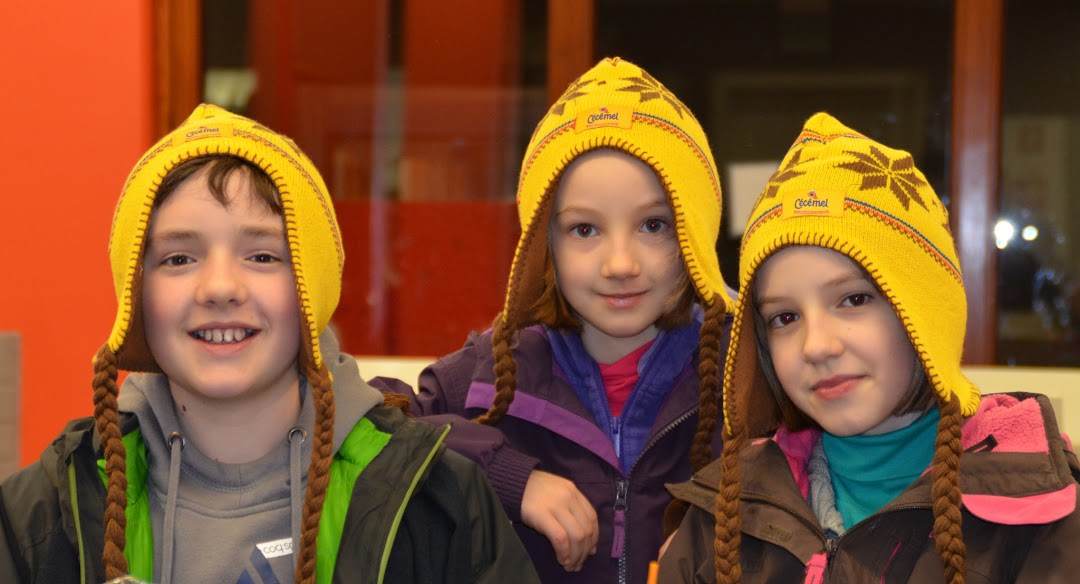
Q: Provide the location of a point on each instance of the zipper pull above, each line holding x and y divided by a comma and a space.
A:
815, 568
616, 426
620, 519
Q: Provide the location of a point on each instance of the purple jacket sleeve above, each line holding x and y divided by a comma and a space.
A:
440, 399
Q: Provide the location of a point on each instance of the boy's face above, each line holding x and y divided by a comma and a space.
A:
837, 347
219, 297
615, 250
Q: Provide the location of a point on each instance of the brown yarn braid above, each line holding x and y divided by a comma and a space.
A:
945, 491
505, 373
397, 400
318, 477
708, 409
108, 428
709, 372
728, 521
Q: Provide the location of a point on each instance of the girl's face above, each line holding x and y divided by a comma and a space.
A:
836, 344
615, 250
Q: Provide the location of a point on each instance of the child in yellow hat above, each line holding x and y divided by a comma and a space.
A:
855, 448
588, 386
227, 263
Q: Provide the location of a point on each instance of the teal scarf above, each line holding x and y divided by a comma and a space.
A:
869, 471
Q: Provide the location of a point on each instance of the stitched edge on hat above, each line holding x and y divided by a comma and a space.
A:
883, 216
139, 239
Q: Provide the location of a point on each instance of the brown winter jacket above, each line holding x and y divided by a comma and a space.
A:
1020, 518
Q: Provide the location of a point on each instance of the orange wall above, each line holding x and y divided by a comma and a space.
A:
76, 103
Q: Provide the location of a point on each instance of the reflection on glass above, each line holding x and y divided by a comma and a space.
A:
1038, 251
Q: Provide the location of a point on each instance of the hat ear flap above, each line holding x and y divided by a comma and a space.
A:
134, 354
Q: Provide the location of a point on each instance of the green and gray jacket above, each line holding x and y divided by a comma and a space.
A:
436, 509
399, 508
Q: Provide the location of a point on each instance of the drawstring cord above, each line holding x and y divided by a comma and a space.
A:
297, 436
176, 445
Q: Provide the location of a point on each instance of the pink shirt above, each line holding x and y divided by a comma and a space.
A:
620, 378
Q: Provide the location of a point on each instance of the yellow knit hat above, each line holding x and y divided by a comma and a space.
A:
840, 190
310, 224
616, 104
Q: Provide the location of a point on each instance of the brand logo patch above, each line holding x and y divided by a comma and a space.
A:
604, 117
814, 202
206, 131
276, 548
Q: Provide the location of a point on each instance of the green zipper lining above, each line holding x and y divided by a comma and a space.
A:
408, 495
78, 523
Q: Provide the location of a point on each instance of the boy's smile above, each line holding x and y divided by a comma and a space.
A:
219, 296
836, 344
616, 255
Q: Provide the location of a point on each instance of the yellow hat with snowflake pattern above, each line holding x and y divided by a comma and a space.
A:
618, 105
310, 223
840, 190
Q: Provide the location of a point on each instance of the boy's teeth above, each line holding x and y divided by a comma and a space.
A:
222, 335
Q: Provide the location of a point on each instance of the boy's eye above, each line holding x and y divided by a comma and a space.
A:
264, 258
583, 230
857, 299
177, 260
654, 225
783, 319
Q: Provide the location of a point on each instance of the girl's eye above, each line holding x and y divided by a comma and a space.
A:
583, 230
654, 225
783, 319
857, 299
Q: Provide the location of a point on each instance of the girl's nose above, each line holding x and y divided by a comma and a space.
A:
820, 342
621, 261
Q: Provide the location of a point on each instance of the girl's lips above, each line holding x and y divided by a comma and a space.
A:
623, 300
835, 387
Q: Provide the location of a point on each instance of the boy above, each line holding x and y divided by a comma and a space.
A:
227, 264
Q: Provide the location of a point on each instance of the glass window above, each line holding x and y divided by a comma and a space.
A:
419, 124
1038, 249
753, 71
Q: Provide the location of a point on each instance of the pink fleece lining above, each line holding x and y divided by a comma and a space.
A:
1016, 425
1034, 510
797, 448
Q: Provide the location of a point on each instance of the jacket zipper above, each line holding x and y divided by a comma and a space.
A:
78, 523
622, 500
616, 426
621, 533
832, 545
405, 502
667, 430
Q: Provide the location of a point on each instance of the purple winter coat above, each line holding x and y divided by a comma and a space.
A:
549, 428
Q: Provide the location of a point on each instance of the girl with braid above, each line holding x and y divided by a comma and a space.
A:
855, 448
586, 392
227, 264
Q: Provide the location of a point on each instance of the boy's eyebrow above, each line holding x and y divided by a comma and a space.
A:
837, 281
248, 231
257, 231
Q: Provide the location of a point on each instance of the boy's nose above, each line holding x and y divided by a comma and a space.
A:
220, 283
621, 260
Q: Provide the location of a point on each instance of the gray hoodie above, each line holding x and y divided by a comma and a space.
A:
233, 522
